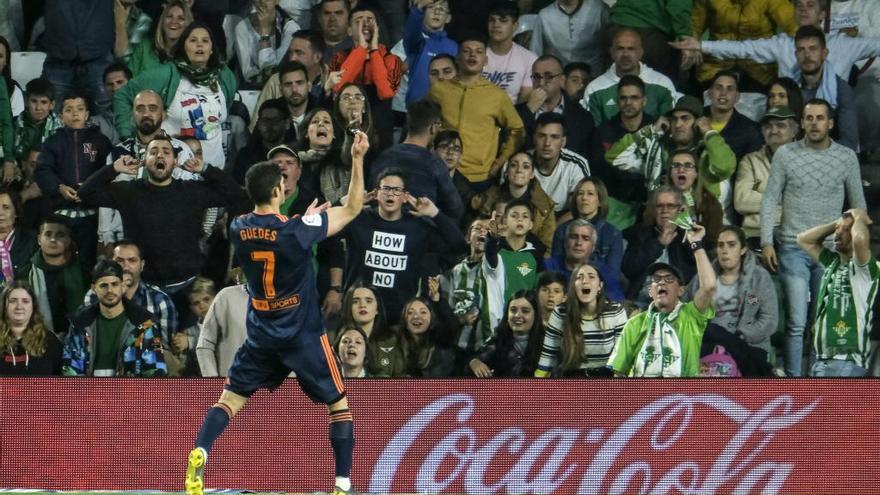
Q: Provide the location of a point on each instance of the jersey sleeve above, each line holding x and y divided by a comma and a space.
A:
310, 229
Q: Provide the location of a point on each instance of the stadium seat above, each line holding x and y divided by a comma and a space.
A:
249, 98
27, 66
526, 23
229, 23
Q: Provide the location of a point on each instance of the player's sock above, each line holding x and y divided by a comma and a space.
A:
215, 422
343, 483
342, 440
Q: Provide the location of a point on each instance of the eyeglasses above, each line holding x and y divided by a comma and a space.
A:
352, 97
449, 148
545, 76
684, 165
440, 9
667, 279
667, 206
392, 190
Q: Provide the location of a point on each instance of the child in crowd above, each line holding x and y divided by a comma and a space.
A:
551, 293
425, 37
37, 122
201, 295
465, 286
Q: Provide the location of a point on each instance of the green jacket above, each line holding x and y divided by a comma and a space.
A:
717, 160
143, 58
6, 141
164, 80
673, 17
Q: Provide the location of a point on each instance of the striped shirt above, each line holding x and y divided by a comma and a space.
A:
600, 335
569, 170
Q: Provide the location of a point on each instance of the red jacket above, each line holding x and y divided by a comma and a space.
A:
383, 71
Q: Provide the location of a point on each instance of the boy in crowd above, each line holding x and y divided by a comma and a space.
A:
36, 123
424, 38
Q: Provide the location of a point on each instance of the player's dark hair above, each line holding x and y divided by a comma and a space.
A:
118, 66
288, 66
40, 87
260, 180
313, 37
392, 172
420, 116
130, 243
631, 80
548, 118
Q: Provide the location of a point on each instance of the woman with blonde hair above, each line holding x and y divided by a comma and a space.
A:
27, 347
150, 53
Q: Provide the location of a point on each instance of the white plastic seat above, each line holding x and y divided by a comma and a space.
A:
26, 66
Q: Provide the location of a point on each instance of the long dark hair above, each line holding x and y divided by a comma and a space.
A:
34, 337
303, 143
795, 97
572, 349
417, 352
504, 334
7, 71
214, 61
367, 122
380, 323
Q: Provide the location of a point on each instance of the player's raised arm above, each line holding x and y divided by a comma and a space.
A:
339, 216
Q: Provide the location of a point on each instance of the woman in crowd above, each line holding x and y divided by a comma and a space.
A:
429, 328
16, 96
785, 92
151, 53
351, 108
17, 244
262, 40
27, 347
582, 332
745, 303
198, 90
351, 347
590, 202
515, 347
323, 170
365, 311
519, 182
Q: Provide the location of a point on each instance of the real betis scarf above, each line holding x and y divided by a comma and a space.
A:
660, 354
838, 332
469, 294
200, 76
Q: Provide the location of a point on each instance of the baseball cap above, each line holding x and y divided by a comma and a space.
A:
655, 267
690, 104
779, 112
280, 147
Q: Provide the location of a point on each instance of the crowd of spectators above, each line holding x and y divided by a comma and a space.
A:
555, 188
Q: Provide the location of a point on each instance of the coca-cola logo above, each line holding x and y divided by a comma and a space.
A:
738, 465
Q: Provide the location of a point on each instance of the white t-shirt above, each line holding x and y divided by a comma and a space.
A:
199, 112
512, 71
570, 169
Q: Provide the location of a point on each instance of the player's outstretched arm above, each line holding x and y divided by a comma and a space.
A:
339, 216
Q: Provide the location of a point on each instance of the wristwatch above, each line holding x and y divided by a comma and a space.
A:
266, 37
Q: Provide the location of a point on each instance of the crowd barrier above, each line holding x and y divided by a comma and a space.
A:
456, 436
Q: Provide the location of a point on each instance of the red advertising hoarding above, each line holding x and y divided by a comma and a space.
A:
456, 436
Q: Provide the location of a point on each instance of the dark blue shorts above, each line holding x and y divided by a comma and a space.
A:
309, 355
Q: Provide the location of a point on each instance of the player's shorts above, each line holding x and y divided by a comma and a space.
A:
309, 355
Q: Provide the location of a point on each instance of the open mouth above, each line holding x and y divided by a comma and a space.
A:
517, 322
160, 165
663, 292
586, 291
351, 354
322, 133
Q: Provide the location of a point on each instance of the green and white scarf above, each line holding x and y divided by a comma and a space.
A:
204, 76
660, 354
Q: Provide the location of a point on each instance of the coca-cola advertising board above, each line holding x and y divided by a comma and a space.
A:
456, 436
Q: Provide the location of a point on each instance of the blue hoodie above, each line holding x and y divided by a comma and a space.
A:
421, 46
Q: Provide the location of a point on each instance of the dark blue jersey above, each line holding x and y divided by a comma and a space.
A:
275, 254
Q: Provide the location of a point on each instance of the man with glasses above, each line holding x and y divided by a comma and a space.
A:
661, 240
386, 246
665, 340
600, 97
426, 174
547, 96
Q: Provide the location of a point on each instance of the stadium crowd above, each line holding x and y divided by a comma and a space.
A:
556, 188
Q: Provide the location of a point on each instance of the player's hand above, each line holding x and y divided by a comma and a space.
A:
315, 208
194, 165
180, 342
332, 303
434, 288
768, 256
696, 234
480, 369
360, 146
126, 164
422, 207
68, 193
